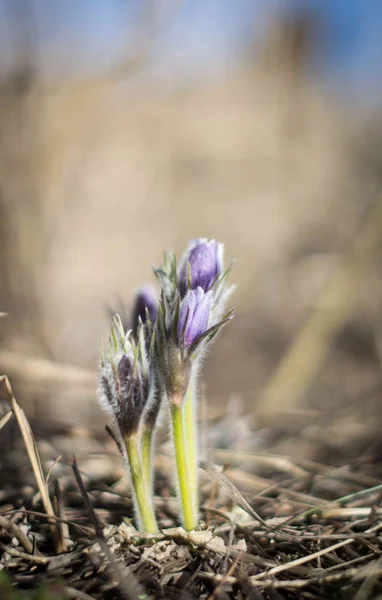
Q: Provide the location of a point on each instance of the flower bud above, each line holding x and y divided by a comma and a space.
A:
124, 370
194, 316
201, 265
133, 395
123, 387
145, 305
190, 314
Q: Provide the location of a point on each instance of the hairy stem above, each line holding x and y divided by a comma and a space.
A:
146, 453
190, 426
148, 437
182, 467
143, 502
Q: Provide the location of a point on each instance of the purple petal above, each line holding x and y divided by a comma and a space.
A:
196, 308
199, 323
204, 261
187, 309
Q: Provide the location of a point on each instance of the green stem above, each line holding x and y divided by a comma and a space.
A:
143, 501
148, 438
184, 484
146, 454
189, 415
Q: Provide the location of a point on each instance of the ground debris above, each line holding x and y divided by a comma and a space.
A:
319, 536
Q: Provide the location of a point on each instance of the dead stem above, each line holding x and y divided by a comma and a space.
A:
30, 444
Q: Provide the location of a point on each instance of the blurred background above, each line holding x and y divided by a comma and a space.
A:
128, 127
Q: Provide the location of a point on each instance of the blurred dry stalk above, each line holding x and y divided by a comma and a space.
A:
43, 372
303, 361
33, 454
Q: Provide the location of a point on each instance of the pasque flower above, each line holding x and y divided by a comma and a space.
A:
160, 357
187, 322
201, 265
124, 390
191, 312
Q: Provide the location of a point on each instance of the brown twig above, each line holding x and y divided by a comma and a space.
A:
16, 532
129, 588
34, 458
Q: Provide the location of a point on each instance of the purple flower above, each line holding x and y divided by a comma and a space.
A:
146, 298
124, 370
203, 263
194, 316
131, 394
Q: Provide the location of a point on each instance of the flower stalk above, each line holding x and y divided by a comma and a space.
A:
146, 454
189, 516
150, 420
145, 513
189, 409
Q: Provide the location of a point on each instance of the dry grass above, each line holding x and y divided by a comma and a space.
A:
318, 535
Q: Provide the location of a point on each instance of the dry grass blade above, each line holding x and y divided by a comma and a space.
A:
300, 561
52, 467
86, 499
81, 529
321, 508
5, 419
60, 512
232, 491
115, 439
347, 513
281, 463
345, 574
129, 587
17, 533
338, 472
226, 577
366, 589
34, 458
44, 372
34, 558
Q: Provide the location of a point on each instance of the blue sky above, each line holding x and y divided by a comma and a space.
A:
198, 37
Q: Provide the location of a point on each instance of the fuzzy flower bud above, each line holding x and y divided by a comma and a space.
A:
124, 391
191, 312
145, 305
194, 316
201, 265
123, 386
